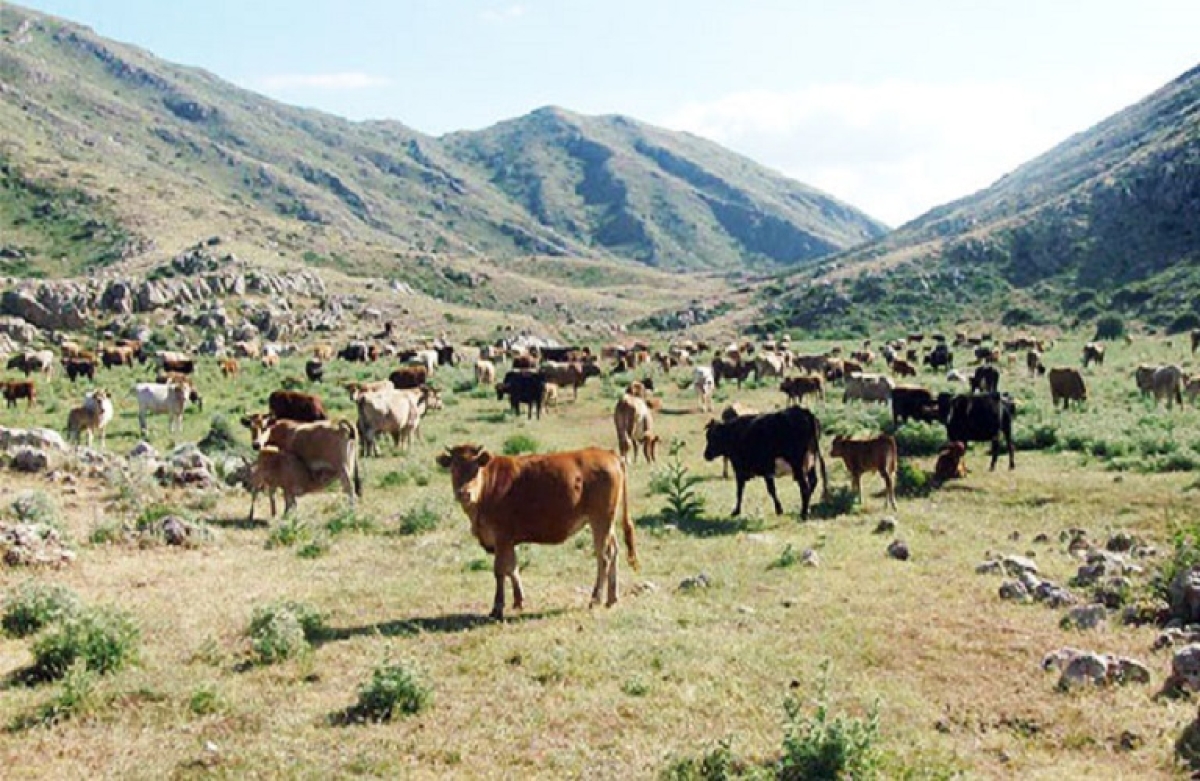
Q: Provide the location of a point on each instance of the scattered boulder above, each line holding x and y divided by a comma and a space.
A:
886, 526
1086, 668
1016, 565
1184, 595
143, 449
1185, 670
1176, 636
695, 583
809, 558
898, 549
1085, 617
33, 544
1014, 590
40, 438
29, 459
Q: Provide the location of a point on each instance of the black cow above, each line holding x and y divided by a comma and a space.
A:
77, 368
356, 352
752, 443
523, 387
909, 402
986, 380
940, 357
314, 369
560, 354
726, 369
980, 417
445, 355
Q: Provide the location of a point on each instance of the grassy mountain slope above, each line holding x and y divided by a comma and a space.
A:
153, 156
1109, 220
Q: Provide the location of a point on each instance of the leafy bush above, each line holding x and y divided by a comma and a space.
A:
284, 630
520, 443
717, 764
839, 500
787, 558
1185, 554
33, 606
1186, 322
348, 519
1110, 327
289, 532
205, 700
75, 697
393, 479
222, 437
684, 503
393, 689
919, 439
819, 745
912, 481
35, 507
104, 639
417, 520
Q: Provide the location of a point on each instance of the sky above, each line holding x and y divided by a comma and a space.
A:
894, 106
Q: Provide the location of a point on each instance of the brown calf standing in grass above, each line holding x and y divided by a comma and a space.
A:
283, 470
20, 389
229, 367
877, 454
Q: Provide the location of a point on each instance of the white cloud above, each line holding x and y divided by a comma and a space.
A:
346, 80
514, 11
898, 148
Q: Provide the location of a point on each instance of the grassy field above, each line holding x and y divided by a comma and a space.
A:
561, 691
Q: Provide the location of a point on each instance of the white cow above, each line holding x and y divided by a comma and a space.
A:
93, 415
163, 397
485, 373
395, 412
702, 378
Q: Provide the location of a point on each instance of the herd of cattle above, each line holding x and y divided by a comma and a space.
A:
547, 498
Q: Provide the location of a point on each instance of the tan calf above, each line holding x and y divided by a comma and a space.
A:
877, 454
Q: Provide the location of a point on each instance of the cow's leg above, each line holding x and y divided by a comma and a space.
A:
856, 485
774, 497
605, 545
505, 565
1012, 464
890, 485
741, 488
995, 452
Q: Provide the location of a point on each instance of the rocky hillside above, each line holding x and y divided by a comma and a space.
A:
1109, 220
110, 154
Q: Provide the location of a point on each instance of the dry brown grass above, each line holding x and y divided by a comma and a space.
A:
561, 691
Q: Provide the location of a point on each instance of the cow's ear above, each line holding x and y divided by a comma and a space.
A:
483, 458
443, 460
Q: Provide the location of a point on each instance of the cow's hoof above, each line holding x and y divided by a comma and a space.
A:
496, 615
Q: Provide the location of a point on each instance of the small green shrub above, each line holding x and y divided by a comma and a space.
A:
912, 481
919, 439
75, 697
314, 548
393, 689
418, 520
520, 443
684, 503
393, 479
1184, 554
205, 700
787, 558
148, 518
820, 745
104, 639
284, 631
839, 500
35, 507
289, 532
34, 605
635, 687
717, 764
1187, 321
349, 519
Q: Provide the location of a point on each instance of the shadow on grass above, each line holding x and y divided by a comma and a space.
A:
25, 678
445, 624
239, 522
702, 526
684, 411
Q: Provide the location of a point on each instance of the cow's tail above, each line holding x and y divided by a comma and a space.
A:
626, 523
820, 459
352, 453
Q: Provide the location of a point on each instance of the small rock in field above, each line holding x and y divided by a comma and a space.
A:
697, 582
1014, 590
1185, 670
885, 526
898, 549
1017, 565
1085, 617
1041, 539
809, 558
990, 567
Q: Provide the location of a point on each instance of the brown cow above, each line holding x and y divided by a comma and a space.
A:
116, 356
1067, 385
294, 405
279, 469
542, 499
270, 360
322, 352
797, 388
407, 377
19, 389
866, 455
950, 464
634, 425
902, 368
229, 367
321, 445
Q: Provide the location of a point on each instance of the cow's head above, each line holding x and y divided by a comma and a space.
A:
501, 389
466, 463
259, 424
590, 369
838, 448
716, 440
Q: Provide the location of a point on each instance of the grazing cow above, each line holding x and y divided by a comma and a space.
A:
635, 425
702, 379
569, 375
950, 462
1066, 385
753, 443
987, 355
984, 417
523, 387
940, 357
355, 352
37, 361
390, 411
229, 367
864, 357
19, 389
116, 356
426, 358
1168, 384
797, 388
485, 373
297, 406
278, 469
877, 454
912, 402
902, 368
163, 398
868, 387
1143, 375
1093, 352
542, 499
174, 377
446, 356
729, 369
314, 369
79, 367
1033, 363
322, 446
407, 377
93, 415
986, 380
768, 365
812, 364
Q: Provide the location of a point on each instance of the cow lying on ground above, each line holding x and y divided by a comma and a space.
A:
542, 499
1066, 385
984, 417
19, 389
92, 416
877, 454
326, 450
753, 443
950, 464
